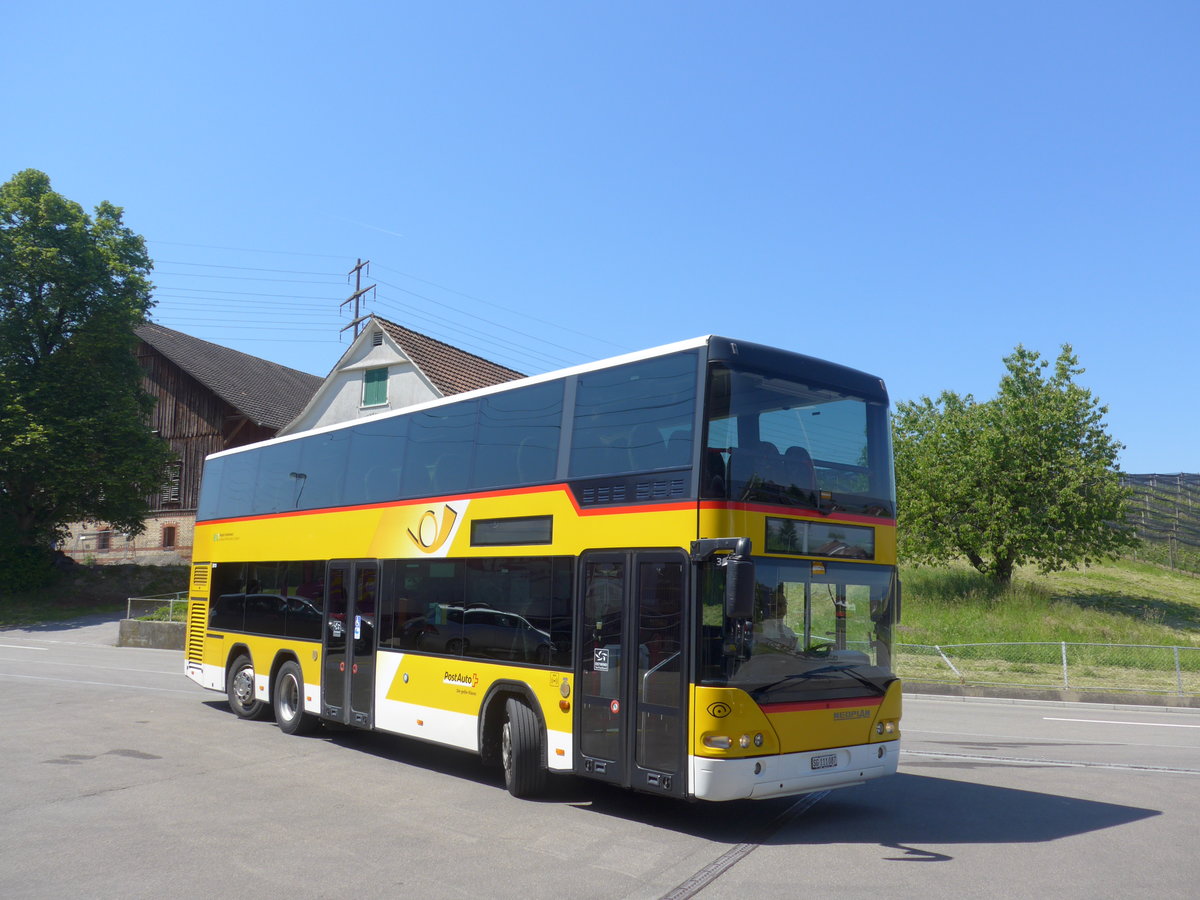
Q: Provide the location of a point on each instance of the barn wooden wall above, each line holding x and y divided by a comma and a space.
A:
194, 420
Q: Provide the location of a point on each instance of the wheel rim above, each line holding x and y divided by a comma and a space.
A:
289, 697
506, 747
243, 686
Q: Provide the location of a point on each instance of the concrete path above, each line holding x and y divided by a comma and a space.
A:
100, 629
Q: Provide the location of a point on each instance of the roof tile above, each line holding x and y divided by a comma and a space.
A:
266, 392
452, 371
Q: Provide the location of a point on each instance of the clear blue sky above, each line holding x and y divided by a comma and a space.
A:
912, 189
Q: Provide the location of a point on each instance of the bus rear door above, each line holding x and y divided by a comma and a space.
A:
349, 642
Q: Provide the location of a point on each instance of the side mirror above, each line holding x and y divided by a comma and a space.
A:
739, 588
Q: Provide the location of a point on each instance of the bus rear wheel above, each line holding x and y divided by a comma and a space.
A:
521, 751
288, 700
239, 688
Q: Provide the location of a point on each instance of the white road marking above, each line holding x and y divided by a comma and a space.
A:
1036, 761
21, 647
1111, 722
136, 687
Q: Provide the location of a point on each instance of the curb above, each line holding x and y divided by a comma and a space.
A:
1007, 692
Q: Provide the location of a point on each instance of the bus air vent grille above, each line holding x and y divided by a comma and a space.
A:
659, 490
200, 577
197, 621
608, 493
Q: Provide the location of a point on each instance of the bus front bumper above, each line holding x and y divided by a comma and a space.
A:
787, 774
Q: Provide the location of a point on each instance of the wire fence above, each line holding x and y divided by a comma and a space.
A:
160, 607
1165, 512
1057, 665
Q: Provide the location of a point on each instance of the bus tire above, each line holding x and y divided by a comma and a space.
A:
288, 700
521, 750
239, 689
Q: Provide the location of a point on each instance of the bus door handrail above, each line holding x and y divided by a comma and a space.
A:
646, 677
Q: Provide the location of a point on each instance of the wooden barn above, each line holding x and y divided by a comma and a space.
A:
209, 398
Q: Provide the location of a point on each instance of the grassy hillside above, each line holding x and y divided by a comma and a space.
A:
1126, 602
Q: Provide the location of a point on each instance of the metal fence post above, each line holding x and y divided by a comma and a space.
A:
1066, 683
946, 660
1178, 672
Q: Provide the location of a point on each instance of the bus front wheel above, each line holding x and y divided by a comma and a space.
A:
288, 700
520, 751
239, 688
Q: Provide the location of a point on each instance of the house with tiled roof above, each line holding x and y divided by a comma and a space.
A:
387, 367
207, 398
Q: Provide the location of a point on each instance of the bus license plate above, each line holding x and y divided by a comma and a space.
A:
828, 761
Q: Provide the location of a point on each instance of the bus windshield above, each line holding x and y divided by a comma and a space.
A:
773, 439
820, 630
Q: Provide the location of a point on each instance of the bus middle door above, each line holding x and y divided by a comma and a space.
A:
347, 679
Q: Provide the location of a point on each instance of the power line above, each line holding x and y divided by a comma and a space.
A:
238, 293
177, 262
512, 350
522, 349
250, 250
590, 337
481, 319
243, 278
311, 302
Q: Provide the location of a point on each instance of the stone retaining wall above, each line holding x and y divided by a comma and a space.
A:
154, 635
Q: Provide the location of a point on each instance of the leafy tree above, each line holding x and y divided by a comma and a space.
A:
75, 444
1029, 476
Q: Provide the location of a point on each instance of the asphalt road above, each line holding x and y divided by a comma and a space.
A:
122, 779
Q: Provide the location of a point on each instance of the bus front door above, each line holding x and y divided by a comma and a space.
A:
348, 670
632, 674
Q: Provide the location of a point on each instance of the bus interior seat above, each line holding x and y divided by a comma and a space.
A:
646, 448
535, 462
799, 470
679, 449
759, 458
714, 475
449, 473
380, 483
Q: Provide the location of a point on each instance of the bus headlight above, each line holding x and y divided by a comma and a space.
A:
718, 741
888, 726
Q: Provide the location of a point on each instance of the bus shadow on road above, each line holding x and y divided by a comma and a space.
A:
910, 811
902, 812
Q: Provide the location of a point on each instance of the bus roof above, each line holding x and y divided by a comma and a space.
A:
724, 349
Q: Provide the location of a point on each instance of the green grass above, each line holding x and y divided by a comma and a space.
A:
88, 590
1124, 602
1134, 613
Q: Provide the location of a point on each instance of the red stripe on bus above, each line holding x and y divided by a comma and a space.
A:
448, 498
820, 704
722, 506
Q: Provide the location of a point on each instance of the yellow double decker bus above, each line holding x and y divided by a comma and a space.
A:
672, 571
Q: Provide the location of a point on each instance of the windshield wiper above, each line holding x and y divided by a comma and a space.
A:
821, 670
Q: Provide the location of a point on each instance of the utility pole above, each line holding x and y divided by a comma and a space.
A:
359, 292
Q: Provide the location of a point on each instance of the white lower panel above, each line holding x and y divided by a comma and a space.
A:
424, 722
791, 773
211, 677
559, 761
441, 726
454, 729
